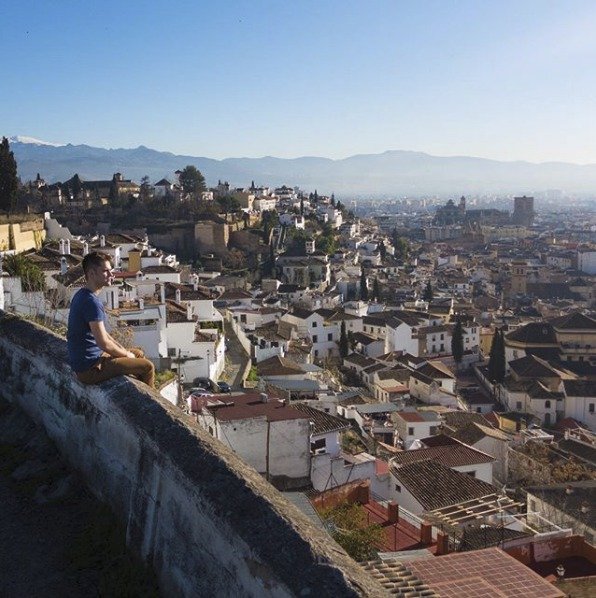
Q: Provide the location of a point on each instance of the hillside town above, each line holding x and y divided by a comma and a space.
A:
434, 370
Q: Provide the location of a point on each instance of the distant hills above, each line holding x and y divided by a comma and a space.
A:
392, 173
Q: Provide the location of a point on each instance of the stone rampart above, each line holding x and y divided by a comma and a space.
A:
207, 523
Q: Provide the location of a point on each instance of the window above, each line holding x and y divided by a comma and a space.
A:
433, 430
320, 443
397, 487
518, 406
330, 336
316, 352
314, 324
442, 337
410, 431
591, 408
547, 404
315, 338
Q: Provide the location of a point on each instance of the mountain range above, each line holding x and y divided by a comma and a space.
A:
393, 173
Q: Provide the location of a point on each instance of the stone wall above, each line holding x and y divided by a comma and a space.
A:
208, 524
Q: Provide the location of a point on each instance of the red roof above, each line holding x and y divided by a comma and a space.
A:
488, 572
251, 405
410, 416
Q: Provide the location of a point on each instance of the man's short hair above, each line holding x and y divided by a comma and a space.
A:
95, 259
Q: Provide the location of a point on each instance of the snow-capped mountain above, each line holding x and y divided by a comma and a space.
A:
32, 141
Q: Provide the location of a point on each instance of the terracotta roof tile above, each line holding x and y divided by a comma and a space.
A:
489, 573
435, 485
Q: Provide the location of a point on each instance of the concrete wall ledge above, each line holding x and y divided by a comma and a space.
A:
207, 523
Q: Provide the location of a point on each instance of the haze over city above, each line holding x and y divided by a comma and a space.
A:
508, 81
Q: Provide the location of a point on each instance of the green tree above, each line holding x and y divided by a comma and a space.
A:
348, 527
76, 186
9, 182
228, 204
31, 275
191, 180
457, 342
496, 360
382, 250
428, 292
114, 195
402, 249
363, 286
145, 190
376, 293
343, 340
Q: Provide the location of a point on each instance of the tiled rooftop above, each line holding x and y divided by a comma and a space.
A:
323, 422
435, 485
487, 573
398, 579
451, 455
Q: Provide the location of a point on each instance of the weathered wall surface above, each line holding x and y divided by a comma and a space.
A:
208, 524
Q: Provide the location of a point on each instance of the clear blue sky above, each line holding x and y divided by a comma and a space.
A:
499, 79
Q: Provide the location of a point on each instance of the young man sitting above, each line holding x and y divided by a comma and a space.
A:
92, 353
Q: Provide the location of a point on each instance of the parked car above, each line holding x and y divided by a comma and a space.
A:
203, 383
224, 386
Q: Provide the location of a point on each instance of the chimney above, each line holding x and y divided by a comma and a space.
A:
189, 314
141, 303
85, 248
569, 489
62, 247
393, 512
67, 247
194, 279
102, 241
264, 397
162, 293
63, 265
139, 275
178, 296
426, 533
442, 543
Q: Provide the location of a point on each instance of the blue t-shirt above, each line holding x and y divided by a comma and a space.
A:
83, 352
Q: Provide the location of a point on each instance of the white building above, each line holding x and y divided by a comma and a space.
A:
268, 435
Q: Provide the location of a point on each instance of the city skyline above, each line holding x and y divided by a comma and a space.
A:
506, 82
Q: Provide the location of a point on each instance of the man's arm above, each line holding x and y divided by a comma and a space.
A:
106, 343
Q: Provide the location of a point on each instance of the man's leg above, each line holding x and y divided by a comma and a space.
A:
110, 367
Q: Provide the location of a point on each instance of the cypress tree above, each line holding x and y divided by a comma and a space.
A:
343, 340
457, 343
376, 294
363, 286
428, 292
496, 361
9, 182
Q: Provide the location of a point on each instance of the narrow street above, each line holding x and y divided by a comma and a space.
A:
236, 359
